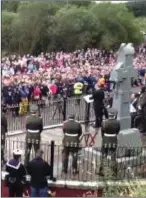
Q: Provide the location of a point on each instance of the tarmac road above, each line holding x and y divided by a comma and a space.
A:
18, 142
51, 118
86, 170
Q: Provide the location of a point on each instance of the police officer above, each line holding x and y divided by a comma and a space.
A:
34, 127
15, 180
3, 132
72, 132
98, 105
109, 130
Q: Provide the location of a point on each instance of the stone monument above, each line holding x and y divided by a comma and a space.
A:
121, 75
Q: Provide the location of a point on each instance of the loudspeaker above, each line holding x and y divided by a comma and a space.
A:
129, 143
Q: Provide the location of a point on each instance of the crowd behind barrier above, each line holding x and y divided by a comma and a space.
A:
53, 73
132, 166
28, 78
53, 112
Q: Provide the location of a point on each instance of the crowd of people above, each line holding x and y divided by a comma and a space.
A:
34, 77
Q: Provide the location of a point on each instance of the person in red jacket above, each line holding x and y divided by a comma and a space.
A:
37, 94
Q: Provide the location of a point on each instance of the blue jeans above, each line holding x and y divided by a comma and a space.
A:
39, 192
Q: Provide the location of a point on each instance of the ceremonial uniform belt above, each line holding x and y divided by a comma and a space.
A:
71, 135
33, 131
110, 135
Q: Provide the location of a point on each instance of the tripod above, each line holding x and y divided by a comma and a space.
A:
59, 109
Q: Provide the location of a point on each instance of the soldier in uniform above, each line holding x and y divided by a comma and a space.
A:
72, 132
34, 127
3, 133
109, 130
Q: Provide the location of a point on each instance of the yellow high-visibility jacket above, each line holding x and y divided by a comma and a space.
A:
78, 88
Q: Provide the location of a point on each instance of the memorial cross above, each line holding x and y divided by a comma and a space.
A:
121, 75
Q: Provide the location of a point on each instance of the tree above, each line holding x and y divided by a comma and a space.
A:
80, 3
10, 6
41, 26
138, 8
75, 27
7, 21
114, 25
141, 23
30, 28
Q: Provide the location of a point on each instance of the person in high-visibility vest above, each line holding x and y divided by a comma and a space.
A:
78, 90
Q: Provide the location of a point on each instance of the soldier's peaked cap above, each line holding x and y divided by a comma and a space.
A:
112, 111
33, 108
71, 116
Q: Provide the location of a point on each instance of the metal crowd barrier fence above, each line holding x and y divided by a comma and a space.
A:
116, 167
53, 112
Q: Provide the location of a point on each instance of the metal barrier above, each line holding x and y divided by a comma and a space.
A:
53, 113
89, 159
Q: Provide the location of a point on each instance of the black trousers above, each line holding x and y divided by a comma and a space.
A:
98, 117
133, 117
16, 191
66, 152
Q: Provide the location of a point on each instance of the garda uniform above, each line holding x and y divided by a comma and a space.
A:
34, 127
72, 131
109, 130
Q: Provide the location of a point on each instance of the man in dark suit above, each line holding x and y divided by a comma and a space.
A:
98, 105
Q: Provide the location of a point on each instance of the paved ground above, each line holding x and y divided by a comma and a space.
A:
18, 141
52, 118
86, 170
